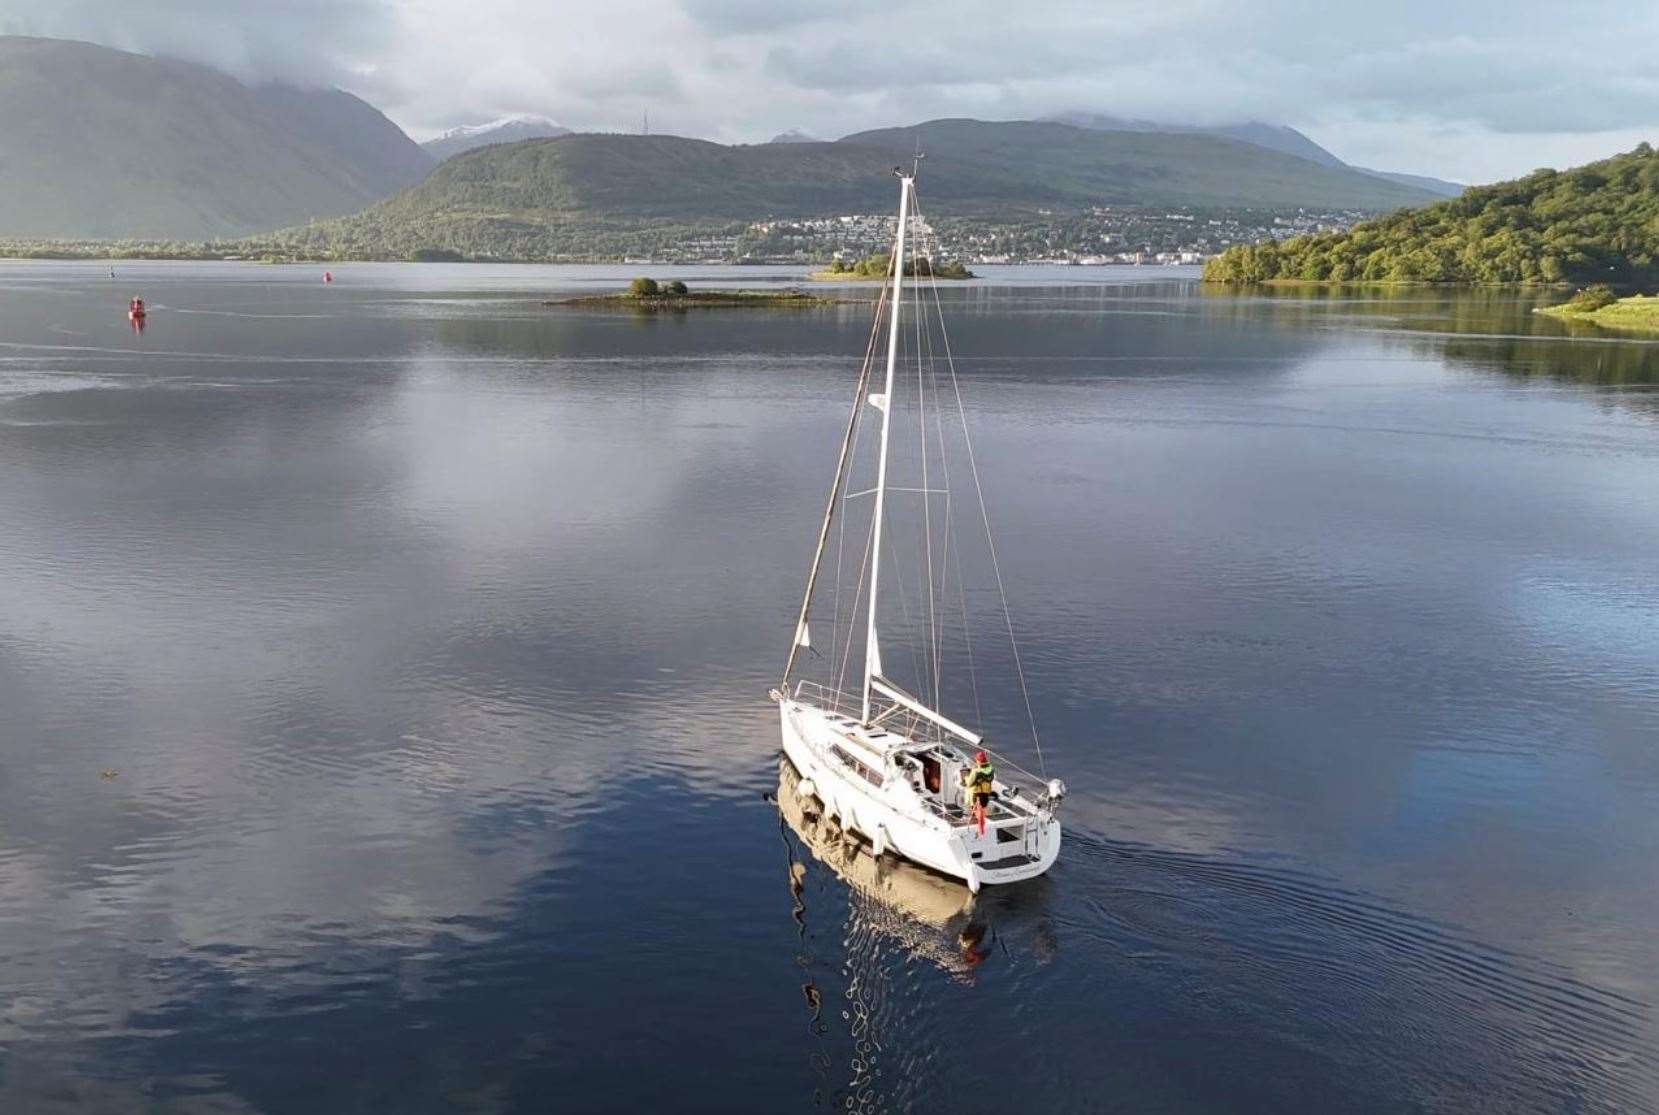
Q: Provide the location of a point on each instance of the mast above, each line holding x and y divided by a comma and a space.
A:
872, 649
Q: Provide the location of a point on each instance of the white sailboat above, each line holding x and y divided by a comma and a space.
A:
884, 761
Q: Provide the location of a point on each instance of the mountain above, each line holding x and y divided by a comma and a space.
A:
1274, 137
794, 135
594, 194
509, 129
1039, 162
1421, 181
1598, 222
101, 143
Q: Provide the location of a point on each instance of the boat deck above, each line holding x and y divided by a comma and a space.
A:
957, 814
1018, 792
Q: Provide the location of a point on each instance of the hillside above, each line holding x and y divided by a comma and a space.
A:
1274, 137
556, 196
1421, 181
1598, 222
511, 129
1044, 162
102, 143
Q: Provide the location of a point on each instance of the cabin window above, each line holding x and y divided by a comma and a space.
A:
873, 777
930, 774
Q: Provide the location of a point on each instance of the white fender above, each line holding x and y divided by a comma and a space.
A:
970, 873
878, 841
805, 788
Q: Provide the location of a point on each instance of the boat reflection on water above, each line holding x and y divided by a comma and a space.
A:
864, 993
869, 971
924, 913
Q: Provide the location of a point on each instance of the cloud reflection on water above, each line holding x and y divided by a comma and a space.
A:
434, 682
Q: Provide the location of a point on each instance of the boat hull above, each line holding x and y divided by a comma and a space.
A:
879, 814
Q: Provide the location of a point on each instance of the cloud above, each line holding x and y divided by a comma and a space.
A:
746, 17
309, 42
1517, 77
936, 64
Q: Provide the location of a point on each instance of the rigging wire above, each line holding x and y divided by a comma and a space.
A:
896, 565
829, 510
852, 456
990, 541
869, 541
904, 604
847, 653
949, 530
927, 498
926, 358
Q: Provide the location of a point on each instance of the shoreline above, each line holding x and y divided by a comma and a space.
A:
852, 277
1638, 313
1391, 283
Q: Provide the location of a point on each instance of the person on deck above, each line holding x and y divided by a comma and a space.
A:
981, 781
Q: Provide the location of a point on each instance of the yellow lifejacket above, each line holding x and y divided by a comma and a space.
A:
981, 778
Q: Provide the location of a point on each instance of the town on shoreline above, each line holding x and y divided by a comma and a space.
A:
1099, 236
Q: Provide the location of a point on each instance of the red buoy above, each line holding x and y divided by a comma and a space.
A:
328, 276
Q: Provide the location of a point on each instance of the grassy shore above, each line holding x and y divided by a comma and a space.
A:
1638, 312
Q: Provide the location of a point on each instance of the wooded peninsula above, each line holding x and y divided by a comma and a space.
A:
1594, 223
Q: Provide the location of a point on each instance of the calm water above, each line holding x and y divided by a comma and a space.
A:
383, 720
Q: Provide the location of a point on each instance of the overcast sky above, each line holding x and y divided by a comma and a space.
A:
1472, 90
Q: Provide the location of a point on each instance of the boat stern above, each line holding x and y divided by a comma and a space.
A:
1008, 852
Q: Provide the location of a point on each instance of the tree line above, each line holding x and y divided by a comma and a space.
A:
1595, 223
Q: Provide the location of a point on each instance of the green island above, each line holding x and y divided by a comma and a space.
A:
648, 294
1598, 305
1594, 223
880, 265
